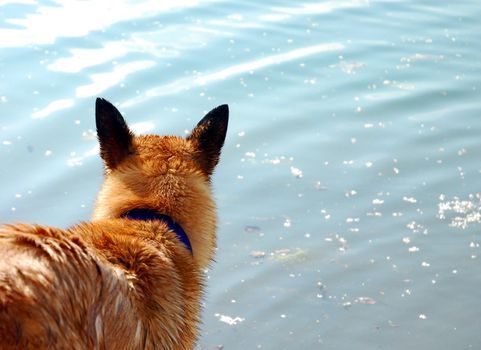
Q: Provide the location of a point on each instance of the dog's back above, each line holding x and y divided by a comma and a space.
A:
119, 282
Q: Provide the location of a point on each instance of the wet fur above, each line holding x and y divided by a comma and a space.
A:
116, 283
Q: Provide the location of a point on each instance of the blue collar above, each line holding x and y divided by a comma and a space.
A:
149, 214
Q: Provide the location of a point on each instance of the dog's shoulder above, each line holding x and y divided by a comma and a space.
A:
121, 271
163, 278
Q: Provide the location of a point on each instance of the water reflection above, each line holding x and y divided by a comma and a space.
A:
102, 81
52, 107
44, 24
203, 79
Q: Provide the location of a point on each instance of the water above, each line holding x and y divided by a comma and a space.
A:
349, 188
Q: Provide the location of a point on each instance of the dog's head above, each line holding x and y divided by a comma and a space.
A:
168, 174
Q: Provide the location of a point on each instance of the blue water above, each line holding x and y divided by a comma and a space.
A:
349, 189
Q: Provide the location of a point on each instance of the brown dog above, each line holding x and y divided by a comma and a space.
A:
133, 277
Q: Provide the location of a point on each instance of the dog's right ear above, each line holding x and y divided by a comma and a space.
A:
114, 135
208, 137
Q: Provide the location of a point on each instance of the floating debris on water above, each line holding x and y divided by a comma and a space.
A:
410, 199
231, 321
365, 300
252, 229
258, 254
322, 293
296, 172
350, 193
287, 254
399, 85
465, 212
360, 300
416, 228
327, 216
277, 160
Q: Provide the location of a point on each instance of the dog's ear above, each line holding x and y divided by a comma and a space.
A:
208, 137
114, 135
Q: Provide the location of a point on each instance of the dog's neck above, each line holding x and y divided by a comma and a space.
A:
152, 215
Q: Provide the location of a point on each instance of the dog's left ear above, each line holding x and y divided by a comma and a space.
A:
208, 137
114, 135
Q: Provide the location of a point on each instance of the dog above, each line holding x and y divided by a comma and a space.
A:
133, 277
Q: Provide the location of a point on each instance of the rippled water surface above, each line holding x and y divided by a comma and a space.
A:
349, 188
